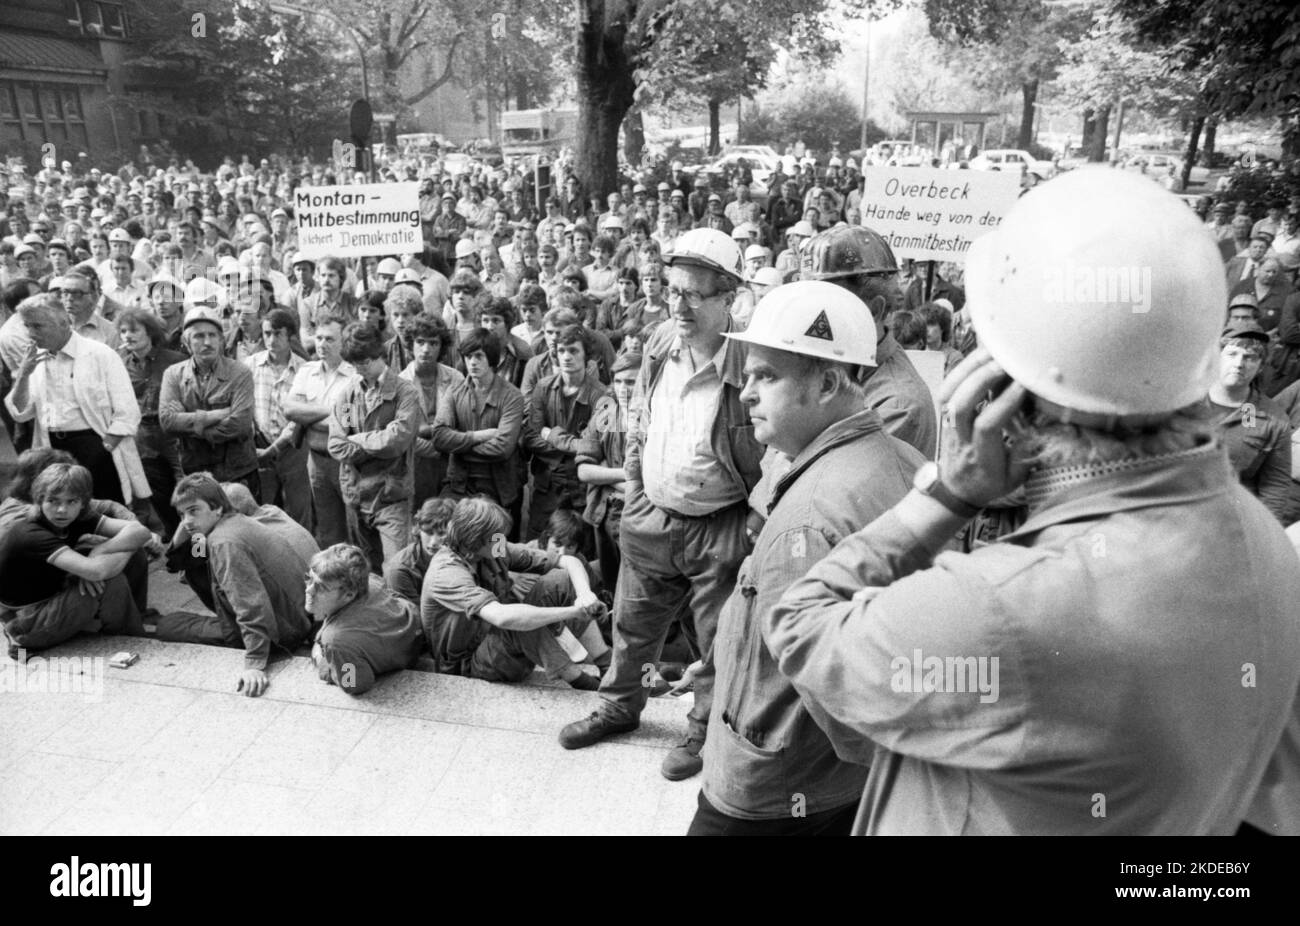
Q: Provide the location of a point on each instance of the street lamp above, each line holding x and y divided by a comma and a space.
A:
291, 9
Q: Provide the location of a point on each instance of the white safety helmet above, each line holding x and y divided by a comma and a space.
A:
1103, 294
708, 247
816, 319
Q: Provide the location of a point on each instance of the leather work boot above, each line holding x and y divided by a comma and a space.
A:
683, 760
583, 733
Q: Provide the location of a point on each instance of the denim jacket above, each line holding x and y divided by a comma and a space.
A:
377, 468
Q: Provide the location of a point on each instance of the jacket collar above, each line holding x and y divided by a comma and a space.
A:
588, 392
387, 384
221, 370
841, 432
729, 361
1073, 493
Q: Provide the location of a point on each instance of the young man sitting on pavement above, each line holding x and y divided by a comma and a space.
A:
477, 621
257, 584
55, 581
366, 630
404, 573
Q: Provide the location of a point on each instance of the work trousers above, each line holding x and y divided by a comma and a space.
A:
511, 655
327, 500
285, 484
709, 821
88, 449
59, 619
670, 564
381, 535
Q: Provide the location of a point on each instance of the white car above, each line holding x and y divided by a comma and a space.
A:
1160, 165
761, 160
1030, 168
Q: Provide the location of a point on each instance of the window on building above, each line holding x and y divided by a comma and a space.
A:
112, 19
27, 101
72, 9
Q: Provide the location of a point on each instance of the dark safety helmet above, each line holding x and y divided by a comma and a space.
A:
845, 251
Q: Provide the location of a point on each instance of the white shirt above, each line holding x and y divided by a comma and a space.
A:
317, 385
679, 469
83, 386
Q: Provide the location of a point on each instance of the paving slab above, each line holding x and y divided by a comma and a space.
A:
168, 747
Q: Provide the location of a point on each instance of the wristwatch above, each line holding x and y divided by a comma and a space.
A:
928, 482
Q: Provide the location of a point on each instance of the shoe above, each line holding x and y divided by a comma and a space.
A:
683, 761
672, 671
583, 733
585, 682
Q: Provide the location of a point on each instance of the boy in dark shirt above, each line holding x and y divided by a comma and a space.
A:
55, 580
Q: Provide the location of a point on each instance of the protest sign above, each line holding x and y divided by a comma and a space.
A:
358, 221
934, 214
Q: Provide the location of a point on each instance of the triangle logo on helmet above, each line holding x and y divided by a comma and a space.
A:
820, 328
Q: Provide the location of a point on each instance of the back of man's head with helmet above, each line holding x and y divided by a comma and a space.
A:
859, 260
1102, 294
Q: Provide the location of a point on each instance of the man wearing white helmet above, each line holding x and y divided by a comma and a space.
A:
1112, 667
691, 463
809, 348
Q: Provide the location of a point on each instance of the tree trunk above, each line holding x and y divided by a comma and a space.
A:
1029, 91
633, 136
715, 125
1207, 149
605, 88
1189, 156
1097, 143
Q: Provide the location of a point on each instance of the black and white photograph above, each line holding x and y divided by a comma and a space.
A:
650, 418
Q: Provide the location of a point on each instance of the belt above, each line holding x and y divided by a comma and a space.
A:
64, 435
743, 503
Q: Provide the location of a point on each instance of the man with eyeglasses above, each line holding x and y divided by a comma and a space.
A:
78, 291
691, 462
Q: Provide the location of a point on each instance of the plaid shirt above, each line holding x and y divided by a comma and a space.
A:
270, 389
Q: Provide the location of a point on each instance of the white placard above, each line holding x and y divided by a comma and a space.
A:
927, 213
358, 221
929, 363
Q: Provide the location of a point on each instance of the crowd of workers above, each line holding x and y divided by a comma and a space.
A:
575, 429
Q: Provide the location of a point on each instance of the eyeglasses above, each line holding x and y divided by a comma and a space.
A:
70, 293
692, 297
314, 581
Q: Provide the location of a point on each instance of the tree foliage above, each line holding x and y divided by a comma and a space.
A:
1250, 48
808, 110
237, 76
1015, 41
630, 49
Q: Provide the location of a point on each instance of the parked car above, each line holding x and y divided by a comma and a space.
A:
1031, 169
1160, 164
760, 159
1077, 156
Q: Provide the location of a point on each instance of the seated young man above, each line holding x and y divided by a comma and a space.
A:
18, 504
366, 629
477, 622
404, 573
257, 587
54, 581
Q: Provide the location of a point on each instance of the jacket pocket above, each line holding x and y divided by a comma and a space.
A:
745, 776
